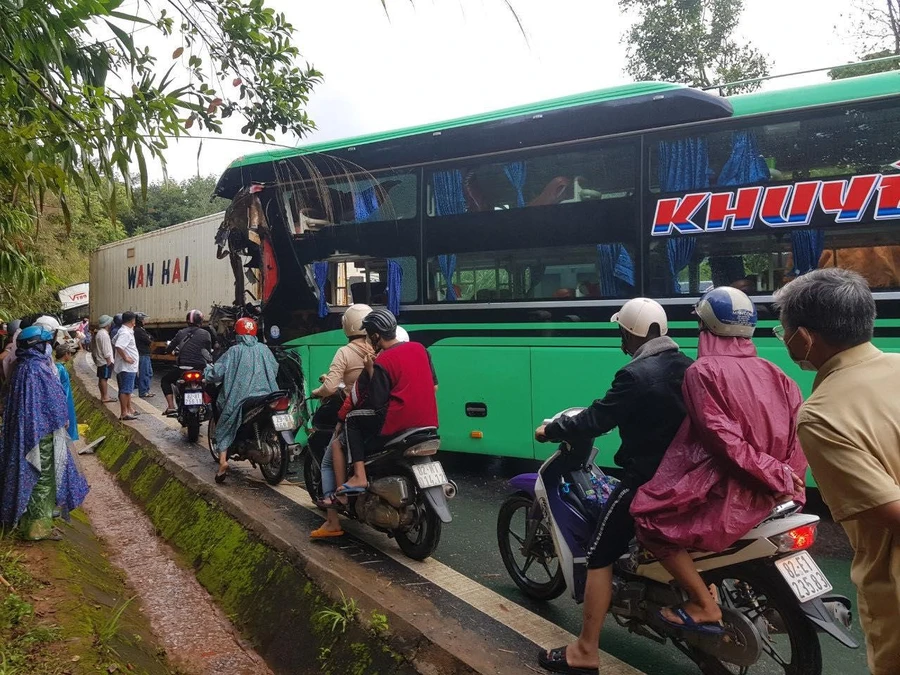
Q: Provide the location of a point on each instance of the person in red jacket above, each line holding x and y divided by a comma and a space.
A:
735, 457
395, 392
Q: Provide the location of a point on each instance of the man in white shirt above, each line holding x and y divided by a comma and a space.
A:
103, 355
126, 364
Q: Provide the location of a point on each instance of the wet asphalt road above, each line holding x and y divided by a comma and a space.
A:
469, 545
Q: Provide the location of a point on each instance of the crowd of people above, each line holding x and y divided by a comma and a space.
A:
732, 437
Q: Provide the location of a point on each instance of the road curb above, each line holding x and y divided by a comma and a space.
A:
250, 548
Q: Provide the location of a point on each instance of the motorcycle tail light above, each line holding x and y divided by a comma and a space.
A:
192, 376
207, 399
798, 539
281, 404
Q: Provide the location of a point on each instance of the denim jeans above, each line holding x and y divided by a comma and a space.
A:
329, 483
145, 375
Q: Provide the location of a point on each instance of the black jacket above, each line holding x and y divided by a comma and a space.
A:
190, 343
143, 340
645, 403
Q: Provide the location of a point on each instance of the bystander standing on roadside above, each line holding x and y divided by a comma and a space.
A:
65, 352
126, 365
143, 339
103, 355
850, 431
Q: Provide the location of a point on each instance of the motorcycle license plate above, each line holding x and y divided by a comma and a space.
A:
803, 576
429, 475
193, 398
283, 422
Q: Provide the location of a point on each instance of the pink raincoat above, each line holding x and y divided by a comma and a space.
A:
733, 456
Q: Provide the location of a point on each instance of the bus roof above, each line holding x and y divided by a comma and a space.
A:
593, 97
837, 91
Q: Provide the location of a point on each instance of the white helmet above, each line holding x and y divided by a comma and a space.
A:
352, 320
402, 335
52, 325
727, 312
638, 314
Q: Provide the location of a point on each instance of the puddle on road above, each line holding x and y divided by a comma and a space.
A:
197, 636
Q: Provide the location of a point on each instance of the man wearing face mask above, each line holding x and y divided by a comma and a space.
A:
645, 403
850, 431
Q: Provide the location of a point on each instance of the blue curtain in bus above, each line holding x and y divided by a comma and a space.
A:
449, 198
365, 203
447, 263
515, 171
807, 247
394, 285
320, 271
745, 165
683, 166
616, 270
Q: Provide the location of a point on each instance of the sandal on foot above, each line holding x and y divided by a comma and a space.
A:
220, 477
554, 660
350, 490
128, 418
322, 533
168, 412
689, 625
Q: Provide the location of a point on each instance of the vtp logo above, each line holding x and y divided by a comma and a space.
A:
779, 206
171, 271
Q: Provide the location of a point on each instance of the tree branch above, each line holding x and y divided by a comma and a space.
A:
53, 104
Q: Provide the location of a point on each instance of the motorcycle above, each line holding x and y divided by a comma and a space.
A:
265, 436
408, 490
192, 403
774, 598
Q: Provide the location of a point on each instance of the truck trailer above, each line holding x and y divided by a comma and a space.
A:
164, 274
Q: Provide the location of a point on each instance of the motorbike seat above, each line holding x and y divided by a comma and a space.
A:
410, 437
248, 405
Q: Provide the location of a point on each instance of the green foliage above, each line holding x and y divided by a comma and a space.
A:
337, 618
857, 69
77, 109
106, 630
692, 42
378, 622
172, 202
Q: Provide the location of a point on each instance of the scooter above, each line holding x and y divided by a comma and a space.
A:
408, 490
775, 599
192, 403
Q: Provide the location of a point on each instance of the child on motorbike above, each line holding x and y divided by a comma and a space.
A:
346, 367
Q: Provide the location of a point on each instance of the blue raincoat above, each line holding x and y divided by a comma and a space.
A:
66, 383
35, 418
246, 370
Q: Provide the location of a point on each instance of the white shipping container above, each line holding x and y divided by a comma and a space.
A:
164, 273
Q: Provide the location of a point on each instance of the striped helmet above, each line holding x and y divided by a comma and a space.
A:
727, 312
195, 317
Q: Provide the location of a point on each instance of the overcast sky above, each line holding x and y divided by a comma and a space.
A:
446, 58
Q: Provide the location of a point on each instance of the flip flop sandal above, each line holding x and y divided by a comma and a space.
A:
220, 477
128, 418
554, 660
689, 625
322, 533
350, 490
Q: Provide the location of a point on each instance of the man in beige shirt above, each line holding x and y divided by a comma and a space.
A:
850, 431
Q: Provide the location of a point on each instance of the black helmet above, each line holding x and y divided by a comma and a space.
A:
380, 321
117, 320
195, 317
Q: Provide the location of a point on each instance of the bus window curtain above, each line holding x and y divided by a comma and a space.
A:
683, 165
745, 166
807, 247
515, 172
394, 285
365, 203
447, 263
320, 270
616, 270
449, 200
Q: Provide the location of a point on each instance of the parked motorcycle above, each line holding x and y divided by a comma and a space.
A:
192, 403
265, 436
774, 598
408, 489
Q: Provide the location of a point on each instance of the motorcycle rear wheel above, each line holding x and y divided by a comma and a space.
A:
774, 597
510, 539
193, 430
421, 541
275, 471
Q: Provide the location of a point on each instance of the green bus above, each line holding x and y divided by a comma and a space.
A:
505, 241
